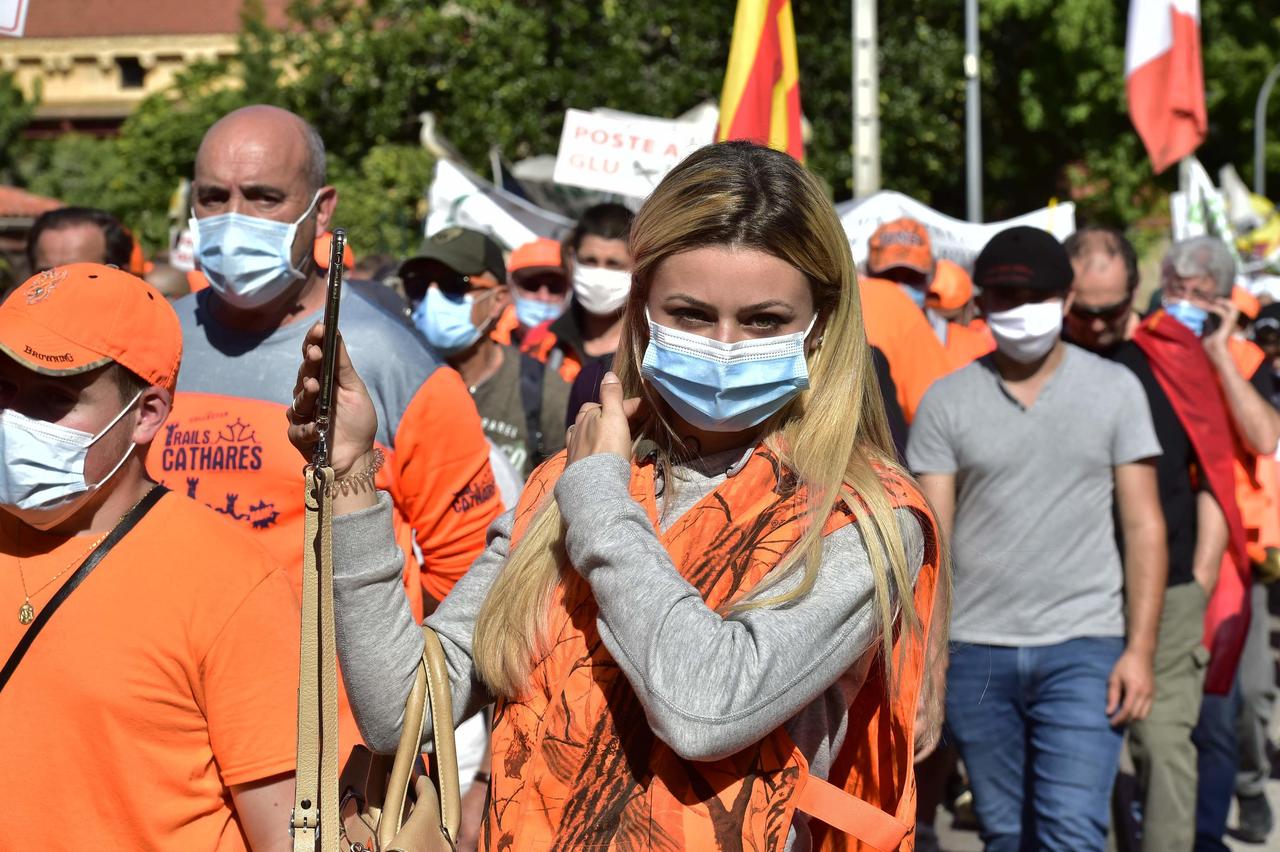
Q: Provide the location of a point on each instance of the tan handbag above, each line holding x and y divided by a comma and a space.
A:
373, 806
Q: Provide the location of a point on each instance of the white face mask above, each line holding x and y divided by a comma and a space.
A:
1028, 331
600, 291
248, 260
42, 479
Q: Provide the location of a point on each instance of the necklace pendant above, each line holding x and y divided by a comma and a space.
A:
26, 613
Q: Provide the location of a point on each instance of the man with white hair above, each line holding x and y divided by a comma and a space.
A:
1197, 277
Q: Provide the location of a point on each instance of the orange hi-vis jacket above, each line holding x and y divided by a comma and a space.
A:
576, 766
1257, 483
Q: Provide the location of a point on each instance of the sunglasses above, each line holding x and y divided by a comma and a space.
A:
1108, 312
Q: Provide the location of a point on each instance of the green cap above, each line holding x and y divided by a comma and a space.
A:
464, 251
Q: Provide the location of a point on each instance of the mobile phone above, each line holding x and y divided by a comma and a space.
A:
329, 348
1211, 324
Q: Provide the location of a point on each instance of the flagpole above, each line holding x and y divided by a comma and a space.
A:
866, 100
972, 113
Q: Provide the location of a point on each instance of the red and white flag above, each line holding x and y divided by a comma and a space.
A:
1164, 78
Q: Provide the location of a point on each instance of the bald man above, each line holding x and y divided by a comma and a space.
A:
259, 199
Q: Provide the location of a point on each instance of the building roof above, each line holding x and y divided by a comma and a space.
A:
95, 19
19, 204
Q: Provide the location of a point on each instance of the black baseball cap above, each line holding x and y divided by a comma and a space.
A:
1023, 257
463, 250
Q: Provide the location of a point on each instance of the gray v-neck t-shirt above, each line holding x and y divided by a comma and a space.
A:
1034, 547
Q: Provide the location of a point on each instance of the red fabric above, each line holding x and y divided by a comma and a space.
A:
1188, 379
1166, 97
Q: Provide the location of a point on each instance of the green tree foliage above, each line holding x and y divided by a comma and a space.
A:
502, 72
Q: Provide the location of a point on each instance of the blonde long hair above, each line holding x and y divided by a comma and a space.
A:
831, 435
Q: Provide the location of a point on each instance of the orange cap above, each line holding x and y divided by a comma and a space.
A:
952, 288
538, 256
1246, 302
902, 242
78, 317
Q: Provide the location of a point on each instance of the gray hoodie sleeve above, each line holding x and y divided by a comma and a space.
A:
712, 685
379, 643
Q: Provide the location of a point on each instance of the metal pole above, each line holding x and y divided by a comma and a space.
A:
972, 113
866, 100
1260, 133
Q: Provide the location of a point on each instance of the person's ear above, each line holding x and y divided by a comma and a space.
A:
326, 204
1068, 302
153, 410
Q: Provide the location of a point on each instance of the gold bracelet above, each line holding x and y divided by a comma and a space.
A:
355, 482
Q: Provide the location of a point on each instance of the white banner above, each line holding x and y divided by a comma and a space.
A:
624, 153
459, 198
952, 239
13, 17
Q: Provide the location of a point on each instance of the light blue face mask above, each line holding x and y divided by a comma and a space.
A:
248, 260
532, 312
1192, 316
725, 387
445, 321
916, 294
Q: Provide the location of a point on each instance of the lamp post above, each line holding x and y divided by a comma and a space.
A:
866, 100
1260, 133
972, 113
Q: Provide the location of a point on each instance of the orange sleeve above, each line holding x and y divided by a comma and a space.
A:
446, 487
250, 684
899, 329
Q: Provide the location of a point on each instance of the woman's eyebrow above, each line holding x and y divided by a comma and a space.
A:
691, 301
766, 304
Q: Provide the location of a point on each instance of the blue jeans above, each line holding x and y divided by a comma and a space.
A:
1219, 758
1032, 728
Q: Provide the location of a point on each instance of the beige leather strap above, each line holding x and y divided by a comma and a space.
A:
315, 807
406, 756
446, 754
430, 689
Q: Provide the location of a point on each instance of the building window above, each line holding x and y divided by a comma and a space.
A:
132, 74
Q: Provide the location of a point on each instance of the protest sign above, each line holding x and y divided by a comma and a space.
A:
459, 198
952, 239
622, 152
13, 17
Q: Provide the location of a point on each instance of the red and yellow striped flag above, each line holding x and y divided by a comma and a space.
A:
761, 97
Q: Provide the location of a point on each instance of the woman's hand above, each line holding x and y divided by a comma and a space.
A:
603, 427
354, 420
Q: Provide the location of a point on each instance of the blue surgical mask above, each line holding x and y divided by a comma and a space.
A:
534, 312
42, 479
917, 295
725, 387
248, 260
1192, 316
445, 321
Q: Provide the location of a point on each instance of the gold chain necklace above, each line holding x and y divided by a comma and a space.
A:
27, 612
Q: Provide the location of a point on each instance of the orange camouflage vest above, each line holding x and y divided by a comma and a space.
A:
576, 766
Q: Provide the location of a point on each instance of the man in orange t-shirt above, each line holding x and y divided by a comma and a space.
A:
148, 699
900, 263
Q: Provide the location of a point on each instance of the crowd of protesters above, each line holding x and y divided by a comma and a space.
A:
691, 452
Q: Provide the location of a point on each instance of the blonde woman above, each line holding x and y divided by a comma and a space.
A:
683, 623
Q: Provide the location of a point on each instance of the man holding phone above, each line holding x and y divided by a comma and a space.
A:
1197, 277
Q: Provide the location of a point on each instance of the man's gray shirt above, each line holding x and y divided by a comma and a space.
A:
1034, 547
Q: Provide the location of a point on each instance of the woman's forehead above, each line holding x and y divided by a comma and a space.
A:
731, 275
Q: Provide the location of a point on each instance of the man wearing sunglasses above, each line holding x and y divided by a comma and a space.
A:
456, 285
1102, 320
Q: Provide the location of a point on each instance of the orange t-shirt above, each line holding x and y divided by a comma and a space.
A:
167, 677
899, 329
967, 343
